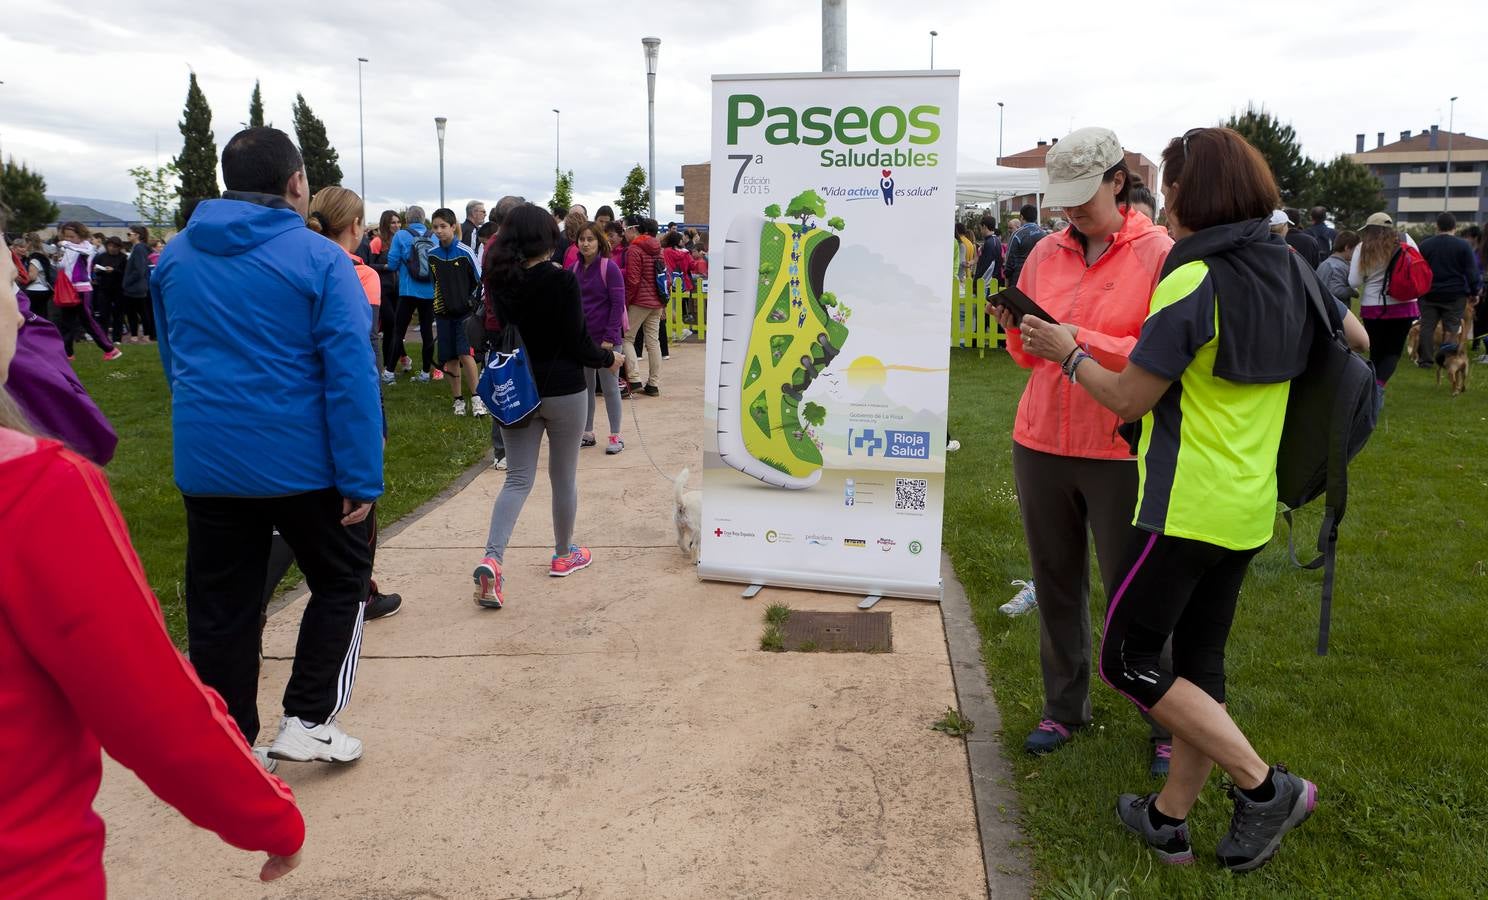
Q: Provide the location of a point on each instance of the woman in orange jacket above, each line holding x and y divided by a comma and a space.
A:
86, 665
1072, 469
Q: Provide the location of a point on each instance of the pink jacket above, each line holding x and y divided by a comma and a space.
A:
1108, 302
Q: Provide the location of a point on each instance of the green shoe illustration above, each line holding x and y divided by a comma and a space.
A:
778, 338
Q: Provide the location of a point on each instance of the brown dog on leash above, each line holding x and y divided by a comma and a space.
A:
1457, 363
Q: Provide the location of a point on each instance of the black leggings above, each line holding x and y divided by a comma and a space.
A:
1178, 587
387, 324
1386, 344
406, 308
72, 321
640, 338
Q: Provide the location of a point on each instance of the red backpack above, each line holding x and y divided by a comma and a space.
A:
1408, 275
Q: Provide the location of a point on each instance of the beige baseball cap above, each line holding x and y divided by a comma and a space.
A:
1075, 165
1380, 218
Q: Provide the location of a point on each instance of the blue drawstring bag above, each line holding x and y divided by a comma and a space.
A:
507, 385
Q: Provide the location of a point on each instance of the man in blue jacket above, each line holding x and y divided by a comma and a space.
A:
262, 327
415, 292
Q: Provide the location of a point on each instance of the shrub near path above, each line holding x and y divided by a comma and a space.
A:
1390, 724
427, 449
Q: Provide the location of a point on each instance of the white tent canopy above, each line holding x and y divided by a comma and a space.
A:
990, 185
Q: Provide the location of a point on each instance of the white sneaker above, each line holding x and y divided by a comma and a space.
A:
268, 762
500, 464
459, 407
388, 377
404, 364
299, 742
1482, 360
422, 376
478, 407
952, 446
1024, 601
686, 333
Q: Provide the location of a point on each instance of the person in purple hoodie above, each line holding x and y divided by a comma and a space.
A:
602, 291
46, 389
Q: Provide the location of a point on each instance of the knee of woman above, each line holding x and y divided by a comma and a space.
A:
1128, 657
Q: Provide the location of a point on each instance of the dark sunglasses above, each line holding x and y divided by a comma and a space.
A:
1188, 134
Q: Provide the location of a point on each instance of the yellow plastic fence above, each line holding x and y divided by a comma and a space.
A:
687, 310
970, 326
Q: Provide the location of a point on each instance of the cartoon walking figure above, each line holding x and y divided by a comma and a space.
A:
887, 184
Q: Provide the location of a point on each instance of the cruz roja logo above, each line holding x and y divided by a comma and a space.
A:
729, 532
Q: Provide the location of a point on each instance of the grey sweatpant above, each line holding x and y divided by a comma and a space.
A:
1062, 496
562, 419
610, 384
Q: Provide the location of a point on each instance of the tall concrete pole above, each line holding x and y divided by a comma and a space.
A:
834, 35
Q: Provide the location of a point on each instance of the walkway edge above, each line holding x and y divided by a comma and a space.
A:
1004, 852
386, 533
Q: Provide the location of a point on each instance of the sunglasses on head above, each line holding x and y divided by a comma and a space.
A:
1188, 134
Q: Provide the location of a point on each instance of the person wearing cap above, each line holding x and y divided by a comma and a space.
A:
1387, 320
1290, 223
1074, 473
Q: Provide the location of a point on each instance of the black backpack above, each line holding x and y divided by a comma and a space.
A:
418, 257
1330, 414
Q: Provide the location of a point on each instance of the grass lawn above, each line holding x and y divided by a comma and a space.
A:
1390, 725
427, 448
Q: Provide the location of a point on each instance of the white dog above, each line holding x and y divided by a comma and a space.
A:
689, 516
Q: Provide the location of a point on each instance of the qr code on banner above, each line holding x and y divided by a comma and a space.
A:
909, 493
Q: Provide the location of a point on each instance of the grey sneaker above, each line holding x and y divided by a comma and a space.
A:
1024, 601
1170, 842
1256, 829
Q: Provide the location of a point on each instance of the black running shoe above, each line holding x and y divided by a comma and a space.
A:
652, 391
1256, 829
380, 606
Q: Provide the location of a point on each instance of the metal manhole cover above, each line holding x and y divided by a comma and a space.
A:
854, 632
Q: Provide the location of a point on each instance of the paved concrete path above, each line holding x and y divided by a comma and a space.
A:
617, 733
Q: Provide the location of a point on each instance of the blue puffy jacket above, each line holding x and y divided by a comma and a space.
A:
397, 260
262, 327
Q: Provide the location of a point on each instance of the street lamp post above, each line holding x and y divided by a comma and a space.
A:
652, 46
999, 132
439, 123
1447, 191
933, 34
361, 137
557, 143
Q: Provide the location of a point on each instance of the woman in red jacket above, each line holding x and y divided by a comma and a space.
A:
85, 665
1073, 472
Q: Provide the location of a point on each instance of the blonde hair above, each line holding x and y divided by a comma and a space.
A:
333, 210
574, 222
11, 416
1377, 243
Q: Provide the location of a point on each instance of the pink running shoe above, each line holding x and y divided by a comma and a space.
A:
577, 558
113, 355
488, 582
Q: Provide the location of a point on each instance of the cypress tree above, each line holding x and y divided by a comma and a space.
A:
255, 108
198, 160
321, 167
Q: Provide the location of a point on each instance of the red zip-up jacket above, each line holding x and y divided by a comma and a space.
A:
640, 273
85, 662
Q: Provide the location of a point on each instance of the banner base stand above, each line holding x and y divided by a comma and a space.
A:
751, 591
869, 601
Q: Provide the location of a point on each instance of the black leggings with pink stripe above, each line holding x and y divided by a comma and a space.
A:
1179, 587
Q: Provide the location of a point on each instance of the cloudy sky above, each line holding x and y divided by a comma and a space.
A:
92, 89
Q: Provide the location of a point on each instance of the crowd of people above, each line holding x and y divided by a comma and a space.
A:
289, 451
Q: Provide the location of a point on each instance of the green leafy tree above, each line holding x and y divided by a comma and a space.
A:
197, 163
24, 192
255, 108
1278, 144
772, 212
633, 197
1348, 191
155, 193
828, 299
562, 193
836, 224
813, 414
805, 205
322, 167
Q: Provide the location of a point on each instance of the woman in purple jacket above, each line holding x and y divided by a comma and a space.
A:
602, 290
